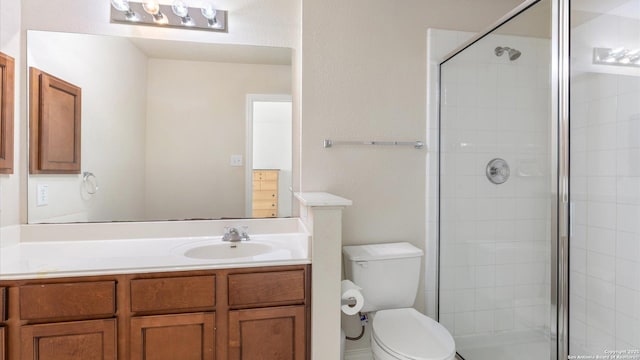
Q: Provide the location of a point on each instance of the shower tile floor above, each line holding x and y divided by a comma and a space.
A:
522, 345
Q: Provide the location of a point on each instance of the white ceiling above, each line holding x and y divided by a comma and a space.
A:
226, 53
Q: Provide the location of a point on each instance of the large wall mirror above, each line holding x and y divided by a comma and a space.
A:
170, 130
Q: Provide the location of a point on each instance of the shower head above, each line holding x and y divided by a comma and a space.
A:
513, 53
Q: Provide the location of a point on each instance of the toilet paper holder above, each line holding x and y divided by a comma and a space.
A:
351, 302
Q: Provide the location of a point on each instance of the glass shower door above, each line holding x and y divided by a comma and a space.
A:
604, 288
495, 192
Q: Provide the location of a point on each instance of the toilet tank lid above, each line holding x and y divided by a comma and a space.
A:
374, 252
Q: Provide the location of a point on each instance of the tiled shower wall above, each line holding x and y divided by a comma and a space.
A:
494, 254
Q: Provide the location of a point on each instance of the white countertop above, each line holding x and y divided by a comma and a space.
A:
49, 259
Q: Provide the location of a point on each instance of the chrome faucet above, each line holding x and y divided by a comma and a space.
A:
232, 234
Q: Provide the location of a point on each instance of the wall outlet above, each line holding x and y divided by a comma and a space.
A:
236, 160
42, 195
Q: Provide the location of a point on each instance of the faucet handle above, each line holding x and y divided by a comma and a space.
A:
244, 232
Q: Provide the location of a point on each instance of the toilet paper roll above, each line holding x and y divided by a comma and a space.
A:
350, 293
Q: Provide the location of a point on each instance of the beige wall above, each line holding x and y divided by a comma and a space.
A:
112, 75
364, 78
207, 118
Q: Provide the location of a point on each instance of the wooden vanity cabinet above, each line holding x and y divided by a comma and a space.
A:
3, 318
187, 332
247, 313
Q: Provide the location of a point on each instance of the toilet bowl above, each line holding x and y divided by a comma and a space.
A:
406, 334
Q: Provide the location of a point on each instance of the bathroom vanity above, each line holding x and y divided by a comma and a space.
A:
202, 314
157, 298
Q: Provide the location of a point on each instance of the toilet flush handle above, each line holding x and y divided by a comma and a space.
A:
364, 264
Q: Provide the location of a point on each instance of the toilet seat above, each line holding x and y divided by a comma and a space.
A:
407, 334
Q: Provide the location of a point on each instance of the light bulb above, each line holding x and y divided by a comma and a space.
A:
208, 12
180, 8
151, 6
121, 5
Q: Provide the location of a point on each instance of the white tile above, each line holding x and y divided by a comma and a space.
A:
505, 274
602, 136
578, 284
601, 240
601, 266
628, 106
628, 301
485, 276
464, 323
628, 246
628, 218
601, 317
578, 306
598, 340
503, 319
627, 274
484, 321
602, 162
602, 188
628, 133
464, 300
628, 190
628, 329
602, 214
603, 110
628, 162
485, 299
504, 296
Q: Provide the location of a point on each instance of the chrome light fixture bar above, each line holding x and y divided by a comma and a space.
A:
618, 57
176, 15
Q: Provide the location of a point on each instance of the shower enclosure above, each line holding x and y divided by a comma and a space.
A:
539, 184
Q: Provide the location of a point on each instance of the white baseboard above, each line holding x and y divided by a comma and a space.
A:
358, 354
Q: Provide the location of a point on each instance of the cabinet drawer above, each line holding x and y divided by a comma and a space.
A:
70, 300
3, 304
265, 175
265, 213
266, 288
176, 293
265, 204
265, 195
269, 185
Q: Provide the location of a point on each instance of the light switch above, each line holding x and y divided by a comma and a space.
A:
42, 195
236, 160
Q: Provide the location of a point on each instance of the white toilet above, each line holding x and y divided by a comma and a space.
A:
389, 275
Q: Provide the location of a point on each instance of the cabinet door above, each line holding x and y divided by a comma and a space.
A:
3, 349
171, 337
81, 340
267, 334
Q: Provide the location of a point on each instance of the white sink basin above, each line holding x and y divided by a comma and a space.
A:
228, 250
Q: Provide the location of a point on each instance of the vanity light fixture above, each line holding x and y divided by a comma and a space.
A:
178, 14
618, 56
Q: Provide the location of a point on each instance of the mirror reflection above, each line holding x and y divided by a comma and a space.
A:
169, 130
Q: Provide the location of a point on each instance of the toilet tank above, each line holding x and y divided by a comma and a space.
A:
387, 273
